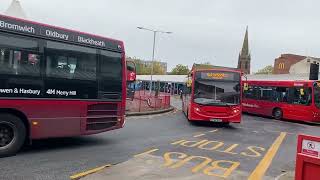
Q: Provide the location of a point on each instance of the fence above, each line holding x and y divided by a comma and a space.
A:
143, 101
164, 87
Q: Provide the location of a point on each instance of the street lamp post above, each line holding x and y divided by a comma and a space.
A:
153, 50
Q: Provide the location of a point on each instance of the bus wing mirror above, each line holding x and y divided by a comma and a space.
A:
131, 71
131, 76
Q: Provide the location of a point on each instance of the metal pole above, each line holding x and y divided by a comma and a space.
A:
154, 46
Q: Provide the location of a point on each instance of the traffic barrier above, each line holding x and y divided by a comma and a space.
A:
144, 102
308, 158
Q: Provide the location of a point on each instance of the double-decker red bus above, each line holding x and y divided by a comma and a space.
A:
56, 82
213, 95
291, 100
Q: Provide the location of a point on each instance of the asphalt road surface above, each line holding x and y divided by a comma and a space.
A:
242, 145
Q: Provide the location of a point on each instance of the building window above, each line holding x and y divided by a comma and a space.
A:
246, 65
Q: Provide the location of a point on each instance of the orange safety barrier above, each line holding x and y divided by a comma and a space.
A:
308, 158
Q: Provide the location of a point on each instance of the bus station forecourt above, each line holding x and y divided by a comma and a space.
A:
60, 84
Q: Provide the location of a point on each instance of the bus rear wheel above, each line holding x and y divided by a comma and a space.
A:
12, 134
277, 113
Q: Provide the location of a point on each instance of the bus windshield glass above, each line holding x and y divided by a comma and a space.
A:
217, 88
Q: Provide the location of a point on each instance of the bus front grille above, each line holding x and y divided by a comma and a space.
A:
101, 116
100, 126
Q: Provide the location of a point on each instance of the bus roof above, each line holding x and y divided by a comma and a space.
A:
36, 29
281, 82
209, 66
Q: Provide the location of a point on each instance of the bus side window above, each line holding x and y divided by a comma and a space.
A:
252, 92
300, 95
281, 94
267, 93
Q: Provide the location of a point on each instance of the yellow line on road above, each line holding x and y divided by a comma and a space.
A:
199, 135
91, 171
215, 130
264, 164
147, 152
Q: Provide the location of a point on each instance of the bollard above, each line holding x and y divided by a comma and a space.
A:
308, 158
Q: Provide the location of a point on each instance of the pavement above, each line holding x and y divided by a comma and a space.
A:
170, 146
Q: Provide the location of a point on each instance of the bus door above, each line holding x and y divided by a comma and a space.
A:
110, 78
267, 100
299, 103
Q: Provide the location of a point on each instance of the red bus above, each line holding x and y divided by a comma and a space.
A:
56, 82
291, 100
213, 95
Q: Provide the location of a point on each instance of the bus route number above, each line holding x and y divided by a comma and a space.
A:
61, 93
51, 91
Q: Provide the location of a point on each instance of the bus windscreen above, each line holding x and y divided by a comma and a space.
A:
217, 88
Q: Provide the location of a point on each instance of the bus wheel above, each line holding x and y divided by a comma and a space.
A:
277, 113
225, 123
12, 134
187, 116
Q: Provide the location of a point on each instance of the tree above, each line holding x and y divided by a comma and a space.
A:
206, 63
266, 70
144, 68
180, 70
157, 68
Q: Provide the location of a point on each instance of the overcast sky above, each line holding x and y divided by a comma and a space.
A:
203, 30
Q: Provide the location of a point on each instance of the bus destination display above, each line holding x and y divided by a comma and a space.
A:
26, 27
214, 75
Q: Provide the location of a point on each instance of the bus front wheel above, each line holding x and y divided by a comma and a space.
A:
12, 134
277, 113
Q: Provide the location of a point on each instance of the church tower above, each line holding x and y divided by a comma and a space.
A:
244, 60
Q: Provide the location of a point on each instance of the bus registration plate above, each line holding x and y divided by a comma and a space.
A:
216, 120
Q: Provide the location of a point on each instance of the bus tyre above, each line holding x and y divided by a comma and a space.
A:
12, 134
187, 115
277, 113
225, 123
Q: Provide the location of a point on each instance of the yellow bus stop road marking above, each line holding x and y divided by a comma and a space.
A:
91, 171
264, 164
147, 152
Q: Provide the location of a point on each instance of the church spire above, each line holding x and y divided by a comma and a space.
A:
244, 60
15, 10
245, 46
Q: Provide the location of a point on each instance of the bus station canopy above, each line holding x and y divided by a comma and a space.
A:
163, 78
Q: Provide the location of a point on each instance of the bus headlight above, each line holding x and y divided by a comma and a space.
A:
197, 109
235, 111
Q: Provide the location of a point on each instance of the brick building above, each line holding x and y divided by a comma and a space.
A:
293, 64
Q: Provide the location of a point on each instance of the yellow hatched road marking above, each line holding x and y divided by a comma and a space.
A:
91, 171
264, 164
